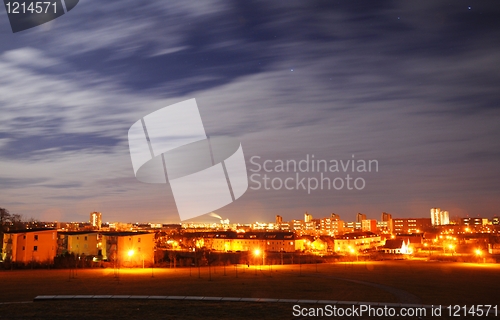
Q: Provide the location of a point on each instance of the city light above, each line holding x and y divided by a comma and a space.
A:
479, 252
130, 253
256, 252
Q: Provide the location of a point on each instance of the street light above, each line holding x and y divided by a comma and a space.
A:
451, 249
256, 253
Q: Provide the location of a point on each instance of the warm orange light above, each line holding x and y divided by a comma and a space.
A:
256, 252
479, 252
130, 253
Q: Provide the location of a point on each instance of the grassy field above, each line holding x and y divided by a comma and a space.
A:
431, 282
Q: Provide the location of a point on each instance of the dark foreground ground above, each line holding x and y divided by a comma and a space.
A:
107, 309
389, 282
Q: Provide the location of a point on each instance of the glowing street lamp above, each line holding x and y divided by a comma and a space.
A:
353, 252
256, 253
451, 247
478, 252
130, 253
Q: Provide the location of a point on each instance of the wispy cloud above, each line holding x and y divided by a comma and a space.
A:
387, 82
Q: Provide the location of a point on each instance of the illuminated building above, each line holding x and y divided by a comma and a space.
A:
128, 248
230, 241
80, 243
332, 226
495, 221
352, 226
96, 220
356, 242
411, 225
30, 245
279, 219
369, 225
439, 217
397, 246
387, 224
360, 217
472, 221
308, 217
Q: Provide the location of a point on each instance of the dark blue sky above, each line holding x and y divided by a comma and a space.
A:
412, 84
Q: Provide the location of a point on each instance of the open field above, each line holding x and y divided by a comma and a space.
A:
388, 281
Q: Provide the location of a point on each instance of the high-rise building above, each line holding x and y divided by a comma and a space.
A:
360, 217
369, 225
96, 220
279, 219
439, 217
386, 216
308, 217
387, 222
332, 226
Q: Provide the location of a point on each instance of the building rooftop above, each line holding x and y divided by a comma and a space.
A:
30, 230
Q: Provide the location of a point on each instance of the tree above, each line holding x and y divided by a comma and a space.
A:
4, 217
9, 221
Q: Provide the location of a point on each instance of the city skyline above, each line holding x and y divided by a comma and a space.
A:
412, 86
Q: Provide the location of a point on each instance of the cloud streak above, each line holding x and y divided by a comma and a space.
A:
416, 91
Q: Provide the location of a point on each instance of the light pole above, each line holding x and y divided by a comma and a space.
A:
153, 265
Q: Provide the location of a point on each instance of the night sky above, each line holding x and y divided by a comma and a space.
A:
414, 85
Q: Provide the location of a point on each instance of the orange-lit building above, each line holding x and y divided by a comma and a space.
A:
439, 217
332, 226
250, 241
128, 248
356, 242
96, 220
38, 245
412, 225
80, 243
369, 225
